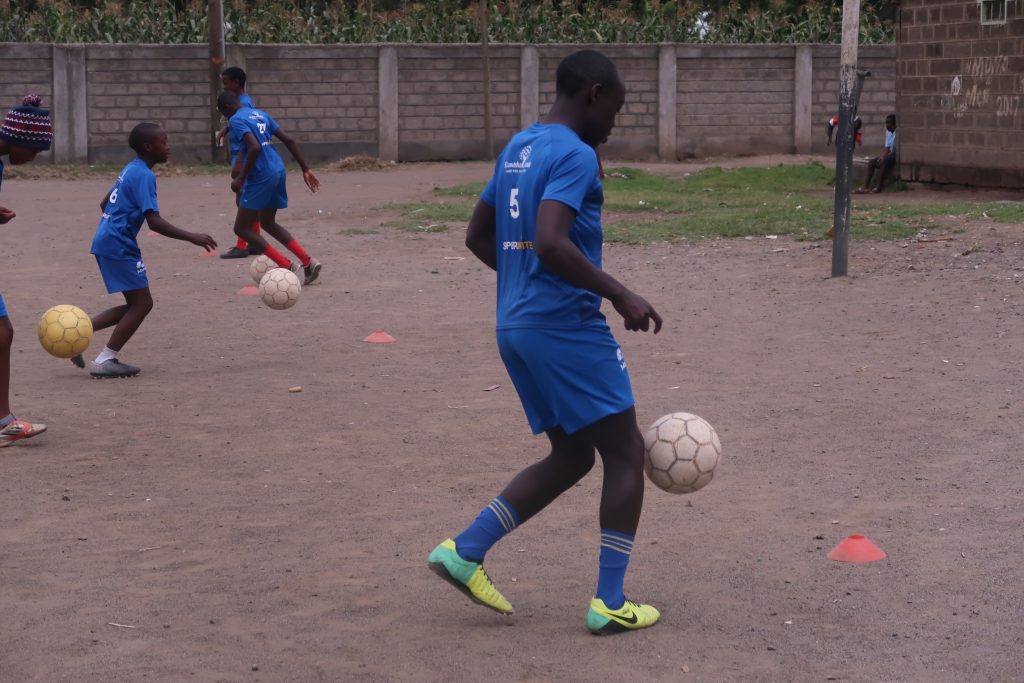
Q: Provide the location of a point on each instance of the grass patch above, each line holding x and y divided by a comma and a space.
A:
430, 216
641, 207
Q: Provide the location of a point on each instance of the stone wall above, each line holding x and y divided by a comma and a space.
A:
418, 102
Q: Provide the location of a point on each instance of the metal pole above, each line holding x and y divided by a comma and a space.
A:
844, 139
484, 42
215, 22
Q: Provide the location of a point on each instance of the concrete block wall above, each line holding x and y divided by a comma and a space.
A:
161, 83
961, 94
418, 102
441, 100
734, 99
325, 97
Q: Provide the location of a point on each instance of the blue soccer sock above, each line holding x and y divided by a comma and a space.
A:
615, 550
493, 522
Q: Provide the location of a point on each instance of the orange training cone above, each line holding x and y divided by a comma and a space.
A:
249, 290
380, 337
856, 549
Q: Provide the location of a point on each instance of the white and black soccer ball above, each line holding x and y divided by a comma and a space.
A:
259, 267
681, 453
280, 288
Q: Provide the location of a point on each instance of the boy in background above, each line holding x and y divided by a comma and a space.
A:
131, 201
259, 178
25, 132
233, 79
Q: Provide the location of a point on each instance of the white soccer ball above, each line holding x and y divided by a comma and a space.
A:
259, 266
280, 288
681, 453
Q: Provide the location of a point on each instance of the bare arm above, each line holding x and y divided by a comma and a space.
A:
6, 215
157, 224
253, 150
559, 255
312, 182
480, 235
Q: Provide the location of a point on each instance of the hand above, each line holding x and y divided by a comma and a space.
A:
312, 182
6, 215
221, 134
204, 241
636, 312
236, 185
828, 142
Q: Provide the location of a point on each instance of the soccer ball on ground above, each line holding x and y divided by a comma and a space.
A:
681, 453
280, 288
65, 331
259, 266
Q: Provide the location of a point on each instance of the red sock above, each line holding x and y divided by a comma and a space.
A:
256, 227
297, 249
241, 244
276, 256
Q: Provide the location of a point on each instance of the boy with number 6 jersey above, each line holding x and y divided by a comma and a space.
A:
131, 201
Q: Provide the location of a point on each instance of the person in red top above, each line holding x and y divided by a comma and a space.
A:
857, 136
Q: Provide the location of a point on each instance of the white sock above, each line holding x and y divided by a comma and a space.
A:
106, 354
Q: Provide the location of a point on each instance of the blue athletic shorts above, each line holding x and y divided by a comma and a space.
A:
3, 308
271, 193
566, 378
123, 275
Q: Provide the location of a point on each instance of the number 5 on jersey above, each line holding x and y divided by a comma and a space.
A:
513, 203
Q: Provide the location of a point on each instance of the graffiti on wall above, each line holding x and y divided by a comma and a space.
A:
971, 90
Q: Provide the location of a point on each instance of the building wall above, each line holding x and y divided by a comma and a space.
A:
961, 94
418, 102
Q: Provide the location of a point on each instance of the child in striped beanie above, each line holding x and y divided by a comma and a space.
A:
25, 131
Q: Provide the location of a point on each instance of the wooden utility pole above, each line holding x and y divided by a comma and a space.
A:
484, 42
844, 141
215, 30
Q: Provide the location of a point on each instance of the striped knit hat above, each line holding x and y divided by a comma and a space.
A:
28, 125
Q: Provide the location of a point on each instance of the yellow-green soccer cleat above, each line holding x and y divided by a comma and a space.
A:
629, 617
468, 577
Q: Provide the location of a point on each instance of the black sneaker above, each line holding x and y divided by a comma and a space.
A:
312, 271
235, 252
112, 368
78, 361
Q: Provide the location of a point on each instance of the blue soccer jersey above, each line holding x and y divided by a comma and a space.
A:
544, 162
131, 198
246, 101
263, 127
235, 143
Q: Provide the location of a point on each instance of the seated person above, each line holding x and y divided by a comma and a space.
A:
884, 163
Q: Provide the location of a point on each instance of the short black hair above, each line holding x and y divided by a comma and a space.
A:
582, 69
141, 134
891, 117
235, 73
227, 99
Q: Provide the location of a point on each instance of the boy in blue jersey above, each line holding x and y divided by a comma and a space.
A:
259, 178
25, 131
131, 201
233, 79
538, 224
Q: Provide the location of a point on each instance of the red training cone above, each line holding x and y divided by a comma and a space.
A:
380, 337
856, 549
249, 290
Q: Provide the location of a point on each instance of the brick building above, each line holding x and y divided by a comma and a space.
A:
960, 91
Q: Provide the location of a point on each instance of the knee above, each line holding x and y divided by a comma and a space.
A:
579, 460
144, 304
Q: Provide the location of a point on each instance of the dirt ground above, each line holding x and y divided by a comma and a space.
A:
201, 523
